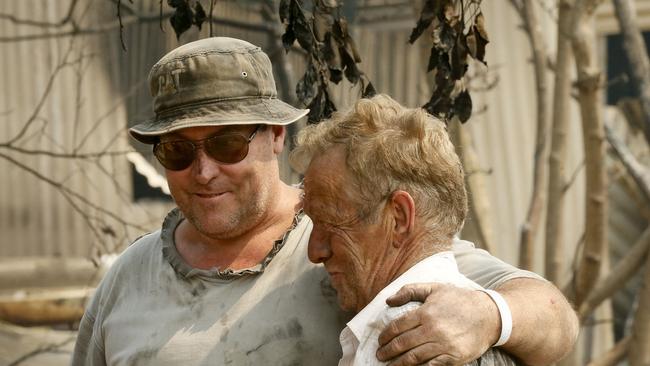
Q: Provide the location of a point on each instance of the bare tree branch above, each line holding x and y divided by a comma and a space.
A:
540, 171
619, 275
590, 99
62, 188
122, 22
614, 355
210, 17
519, 8
574, 176
119, 19
476, 184
52, 154
42, 24
40, 350
106, 116
554, 260
637, 171
48, 88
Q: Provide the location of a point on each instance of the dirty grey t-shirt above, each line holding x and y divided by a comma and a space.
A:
151, 308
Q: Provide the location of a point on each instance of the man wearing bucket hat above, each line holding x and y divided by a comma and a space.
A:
226, 280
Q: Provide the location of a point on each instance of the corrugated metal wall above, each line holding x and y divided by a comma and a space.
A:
69, 92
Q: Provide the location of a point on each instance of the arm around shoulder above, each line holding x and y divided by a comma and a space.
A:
456, 325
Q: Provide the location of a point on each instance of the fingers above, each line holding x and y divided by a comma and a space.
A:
395, 328
415, 292
425, 354
444, 360
416, 356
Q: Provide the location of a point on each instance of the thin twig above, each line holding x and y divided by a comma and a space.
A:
119, 18
140, 18
48, 348
67, 190
574, 176
44, 96
105, 117
211, 9
161, 16
87, 218
637, 171
618, 277
65, 20
615, 355
52, 154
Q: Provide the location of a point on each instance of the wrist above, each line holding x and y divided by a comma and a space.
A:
492, 320
504, 316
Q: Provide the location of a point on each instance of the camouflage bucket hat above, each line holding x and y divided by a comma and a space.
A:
211, 82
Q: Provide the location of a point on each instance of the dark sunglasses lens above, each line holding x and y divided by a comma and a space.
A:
227, 149
175, 155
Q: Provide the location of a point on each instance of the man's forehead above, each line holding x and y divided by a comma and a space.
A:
325, 171
324, 184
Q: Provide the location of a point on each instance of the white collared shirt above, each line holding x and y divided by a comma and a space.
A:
360, 338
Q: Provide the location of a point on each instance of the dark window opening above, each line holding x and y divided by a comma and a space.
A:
143, 191
619, 77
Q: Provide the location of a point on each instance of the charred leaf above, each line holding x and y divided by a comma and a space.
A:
459, 58
427, 15
288, 38
349, 66
301, 28
463, 106
336, 75
481, 37
199, 15
182, 18
305, 87
434, 58
284, 11
369, 91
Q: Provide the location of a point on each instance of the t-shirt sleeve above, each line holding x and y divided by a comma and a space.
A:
484, 269
88, 349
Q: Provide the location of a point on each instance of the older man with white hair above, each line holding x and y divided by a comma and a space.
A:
385, 191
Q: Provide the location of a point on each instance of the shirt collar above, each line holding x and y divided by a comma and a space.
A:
440, 267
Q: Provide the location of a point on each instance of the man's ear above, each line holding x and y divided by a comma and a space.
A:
403, 210
279, 133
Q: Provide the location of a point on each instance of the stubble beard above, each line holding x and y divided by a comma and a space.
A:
229, 225
348, 295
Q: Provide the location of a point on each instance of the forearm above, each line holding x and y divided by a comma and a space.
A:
545, 326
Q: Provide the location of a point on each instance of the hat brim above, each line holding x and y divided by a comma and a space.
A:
270, 111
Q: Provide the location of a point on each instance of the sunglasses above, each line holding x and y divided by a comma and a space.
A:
227, 148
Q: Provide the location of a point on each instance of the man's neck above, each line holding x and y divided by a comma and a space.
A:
241, 251
417, 249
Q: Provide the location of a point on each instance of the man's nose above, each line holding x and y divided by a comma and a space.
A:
318, 249
204, 168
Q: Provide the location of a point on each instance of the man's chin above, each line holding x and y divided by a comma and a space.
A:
346, 307
345, 302
214, 227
